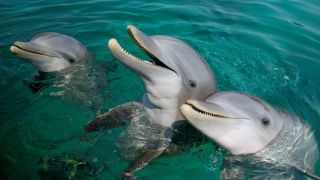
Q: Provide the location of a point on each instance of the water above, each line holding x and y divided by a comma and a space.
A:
269, 49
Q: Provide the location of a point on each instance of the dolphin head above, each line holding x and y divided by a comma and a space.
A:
50, 51
174, 74
240, 123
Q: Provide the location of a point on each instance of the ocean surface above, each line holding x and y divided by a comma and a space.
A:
270, 49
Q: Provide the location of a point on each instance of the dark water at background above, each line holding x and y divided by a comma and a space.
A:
267, 48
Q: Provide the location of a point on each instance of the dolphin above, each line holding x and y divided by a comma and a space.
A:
50, 51
64, 64
174, 74
269, 140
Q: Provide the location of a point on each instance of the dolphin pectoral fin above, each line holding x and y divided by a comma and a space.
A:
141, 162
229, 170
115, 117
104, 121
145, 158
37, 86
231, 173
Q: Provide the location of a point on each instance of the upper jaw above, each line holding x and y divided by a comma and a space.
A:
146, 44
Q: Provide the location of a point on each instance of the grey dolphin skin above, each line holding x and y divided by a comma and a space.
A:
64, 64
50, 51
174, 74
264, 141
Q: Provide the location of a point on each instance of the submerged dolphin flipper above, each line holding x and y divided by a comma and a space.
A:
115, 117
36, 86
144, 160
231, 173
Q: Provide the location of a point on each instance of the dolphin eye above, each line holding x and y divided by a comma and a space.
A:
192, 83
265, 121
71, 60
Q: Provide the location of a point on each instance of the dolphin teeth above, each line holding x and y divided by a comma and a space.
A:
123, 50
204, 112
131, 55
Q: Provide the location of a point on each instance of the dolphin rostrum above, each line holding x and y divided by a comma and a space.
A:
174, 74
264, 141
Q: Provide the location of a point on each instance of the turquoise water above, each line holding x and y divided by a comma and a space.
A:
270, 49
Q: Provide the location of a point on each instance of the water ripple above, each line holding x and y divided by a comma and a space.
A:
266, 48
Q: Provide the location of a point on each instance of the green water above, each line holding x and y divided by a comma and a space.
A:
267, 48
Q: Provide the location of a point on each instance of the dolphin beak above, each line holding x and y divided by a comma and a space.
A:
205, 109
24, 49
141, 67
145, 43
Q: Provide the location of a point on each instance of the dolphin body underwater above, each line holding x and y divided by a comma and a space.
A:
264, 142
64, 64
174, 74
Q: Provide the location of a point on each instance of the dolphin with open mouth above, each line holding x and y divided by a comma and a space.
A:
174, 74
265, 142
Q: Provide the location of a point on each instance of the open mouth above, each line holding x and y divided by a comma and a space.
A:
114, 45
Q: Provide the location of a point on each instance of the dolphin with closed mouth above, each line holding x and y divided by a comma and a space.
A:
174, 74
50, 51
264, 141
63, 64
